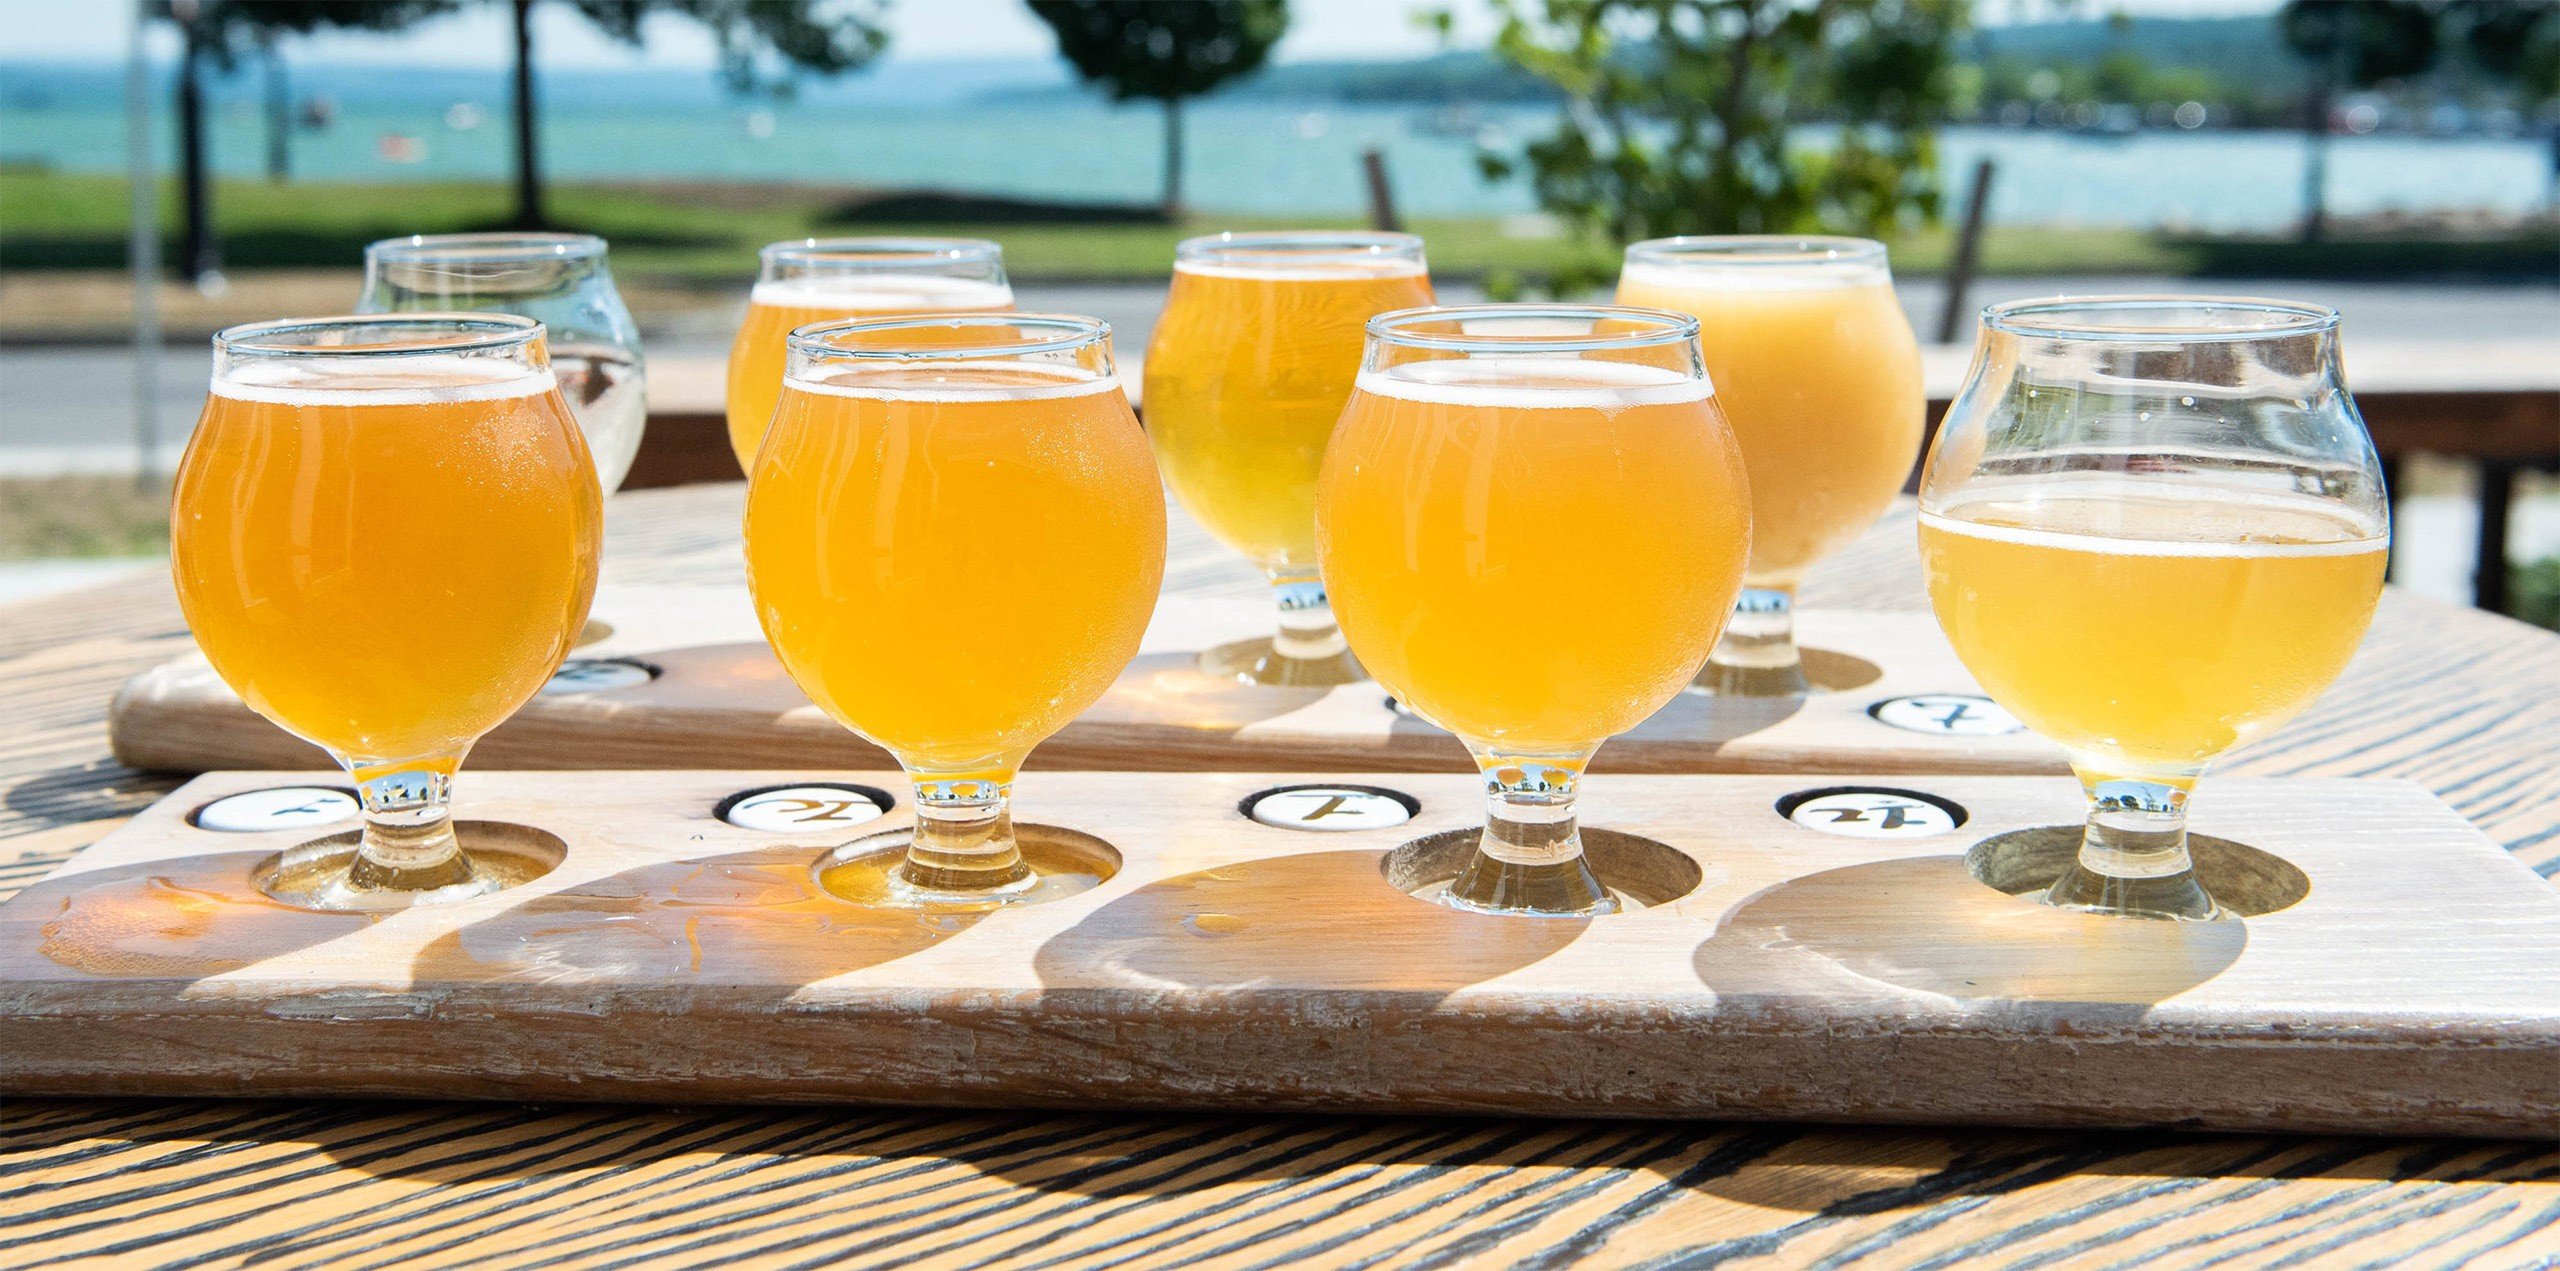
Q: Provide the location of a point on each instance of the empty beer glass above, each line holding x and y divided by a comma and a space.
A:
558, 280
2154, 530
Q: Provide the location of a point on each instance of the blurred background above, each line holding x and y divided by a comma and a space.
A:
2399, 159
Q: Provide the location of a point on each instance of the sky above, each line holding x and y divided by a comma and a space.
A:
98, 30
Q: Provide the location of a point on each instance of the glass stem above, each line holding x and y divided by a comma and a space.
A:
1307, 629
1530, 858
1757, 656
963, 846
2133, 854
408, 842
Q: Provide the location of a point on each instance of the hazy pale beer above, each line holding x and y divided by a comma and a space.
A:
2149, 636
384, 536
823, 279
1534, 554
955, 537
1247, 375
1817, 368
2154, 529
1533, 523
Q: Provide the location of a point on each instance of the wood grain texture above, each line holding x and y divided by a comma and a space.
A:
2464, 703
1236, 965
720, 699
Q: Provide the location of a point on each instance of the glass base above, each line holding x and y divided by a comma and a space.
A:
2176, 897
322, 874
1722, 680
1563, 889
592, 633
1259, 661
876, 871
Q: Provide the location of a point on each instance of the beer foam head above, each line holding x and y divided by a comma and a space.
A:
2158, 516
315, 378
1708, 271
1531, 380
956, 380
1284, 266
886, 292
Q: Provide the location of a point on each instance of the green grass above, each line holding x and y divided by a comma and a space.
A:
707, 233
47, 517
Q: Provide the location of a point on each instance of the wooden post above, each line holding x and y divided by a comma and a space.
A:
2497, 498
529, 213
1968, 243
1382, 197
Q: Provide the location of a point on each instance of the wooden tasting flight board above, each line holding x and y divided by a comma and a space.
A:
2397, 979
686, 680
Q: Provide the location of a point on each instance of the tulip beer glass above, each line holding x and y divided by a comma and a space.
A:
1533, 522
1817, 368
384, 535
558, 280
1246, 377
955, 537
2154, 530
819, 279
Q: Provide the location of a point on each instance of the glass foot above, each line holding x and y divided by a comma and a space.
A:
325, 873
2178, 897
1565, 889
1723, 680
877, 871
1259, 661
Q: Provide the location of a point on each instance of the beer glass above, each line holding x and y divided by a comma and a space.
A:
955, 536
818, 279
1816, 366
558, 280
1248, 371
1533, 522
384, 534
2154, 530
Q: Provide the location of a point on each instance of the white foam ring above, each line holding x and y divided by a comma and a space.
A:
1713, 275
882, 293
316, 379
1553, 383
2108, 545
1318, 268
1063, 383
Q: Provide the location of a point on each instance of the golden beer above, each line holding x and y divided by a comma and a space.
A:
386, 565
1535, 555
2148, 636
1248, 373
821, 280
384, 536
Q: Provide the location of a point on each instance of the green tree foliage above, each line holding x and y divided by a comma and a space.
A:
1683, 116
763, 44
1165, 52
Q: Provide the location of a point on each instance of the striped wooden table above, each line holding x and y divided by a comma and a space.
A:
2465, 703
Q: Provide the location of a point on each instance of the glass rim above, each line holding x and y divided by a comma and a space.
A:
884, 251
488, 245
1757, 251
2274, 317
500, 331
1669, 328
1314, 246
1080, 332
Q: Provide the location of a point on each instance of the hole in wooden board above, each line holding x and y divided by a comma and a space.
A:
1173, 688
184, 918
1069, 862
502, 851
1639, 870
2242, 879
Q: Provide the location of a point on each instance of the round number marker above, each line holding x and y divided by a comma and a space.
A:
1330, 809
594, 675
1947, 715
801, 809
282, 808
1872, 812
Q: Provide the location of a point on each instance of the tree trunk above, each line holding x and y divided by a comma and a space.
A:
197, 253
279, 114
1172, 158
528, 156
2315, 139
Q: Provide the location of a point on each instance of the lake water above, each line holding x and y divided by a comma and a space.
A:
1244, 155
